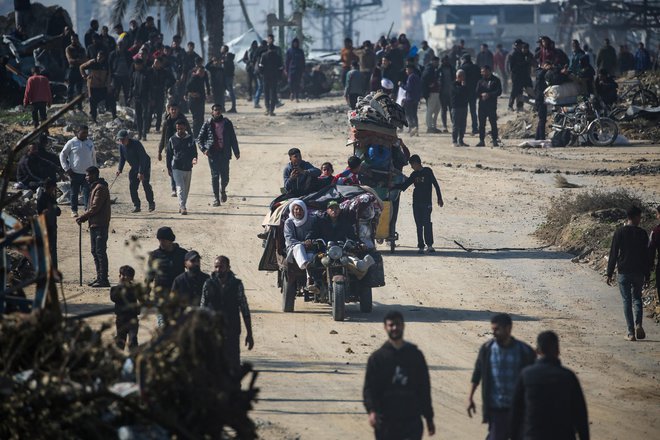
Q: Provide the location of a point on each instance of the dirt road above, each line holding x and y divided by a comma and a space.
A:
311, 380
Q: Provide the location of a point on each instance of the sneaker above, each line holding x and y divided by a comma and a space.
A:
231, 110
173, 194
639, 332
430, 249
267, 112
144, 137
631, 337
420, 250
463, 144
480, 144
152, 207
91, 283
262, 235
257, 106
136, 209
216, 202
279, 104
444, 130
475, 132
184, 211
496, 144
74, 214
271, 114
98, 284
223, 196
454, 144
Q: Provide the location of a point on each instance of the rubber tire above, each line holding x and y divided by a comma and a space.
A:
645, 98
366, 299
603, 121
338, 300
288, 294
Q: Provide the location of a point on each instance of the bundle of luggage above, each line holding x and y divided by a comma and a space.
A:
379, 113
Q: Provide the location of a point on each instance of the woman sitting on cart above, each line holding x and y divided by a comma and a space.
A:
296, 229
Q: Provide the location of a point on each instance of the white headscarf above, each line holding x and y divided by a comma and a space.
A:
302, 221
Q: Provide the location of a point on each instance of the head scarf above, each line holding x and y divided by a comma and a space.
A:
302, 221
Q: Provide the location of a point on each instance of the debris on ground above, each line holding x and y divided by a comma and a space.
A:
522, 126
562, 182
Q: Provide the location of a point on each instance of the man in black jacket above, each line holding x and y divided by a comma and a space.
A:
431, 92
488, 89
397, 387
224, 293
217, 140
140, 94
548, 403
161, 82
187, 287
498, 366
471, 79
217, 75
460, 97
181, 157
133, 152
271, 68
164, 265
539, 99
629, 254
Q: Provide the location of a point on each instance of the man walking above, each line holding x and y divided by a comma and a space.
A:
488, 89
224, 293
98, 216
548, 402
38, 94
629, 255
140, 90
77, 155
187, 287
354, 85
424, 180
413, 88
217, 140
498, 366
164, 265
181, 156
169, 129
133, 152
447, 77
431, 92
460, 97
271, 67
397, 387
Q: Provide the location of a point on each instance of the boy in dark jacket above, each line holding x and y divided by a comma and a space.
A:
181, 156
124, 295
219, 149
460, 98
424, 180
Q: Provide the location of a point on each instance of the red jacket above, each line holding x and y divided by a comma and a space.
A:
37, 90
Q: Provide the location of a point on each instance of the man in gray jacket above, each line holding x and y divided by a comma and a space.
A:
181, 156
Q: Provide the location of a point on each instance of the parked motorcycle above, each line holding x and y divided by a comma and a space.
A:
585, 121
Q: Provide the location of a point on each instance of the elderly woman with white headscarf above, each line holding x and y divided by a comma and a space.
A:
296, 229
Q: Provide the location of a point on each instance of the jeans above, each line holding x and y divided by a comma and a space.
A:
294, 85
630, 286
157, 108
445, 105
134, 183
472, 102
79, 183
399, 429
411, 113
121, 84
229, 86
270, 94
96, 95
459, 116
259, 88
38, 112
182, 179
219, 171
490, 114
498, 424
432, 110
99, 240
142, 119
517, 88
422, 216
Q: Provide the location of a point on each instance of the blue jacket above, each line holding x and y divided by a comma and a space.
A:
413, 88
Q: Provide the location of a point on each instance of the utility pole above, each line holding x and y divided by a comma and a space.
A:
280, 29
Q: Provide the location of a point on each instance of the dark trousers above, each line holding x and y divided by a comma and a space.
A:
498, 424
52, 245
422, 215
395, 215
411, 113
134, 183
38, 112
459, 116
472, 102
78, 183
270, 94
127, 327
630, 287
157, 107
219, 96
399, 429
543, 119
352, 100
490, 114
344, 73
142, 117
231, 348
445, 106
75, 85
197, 111
219, 171
99, 239
98, 94
252, 79
294, 85
121, 84
517, 88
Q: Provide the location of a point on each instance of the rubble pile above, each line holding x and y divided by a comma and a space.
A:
641, 129
523, 126
60, 380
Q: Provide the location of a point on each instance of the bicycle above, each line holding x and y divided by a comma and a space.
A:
639, 94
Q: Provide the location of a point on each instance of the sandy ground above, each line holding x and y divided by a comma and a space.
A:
311, 380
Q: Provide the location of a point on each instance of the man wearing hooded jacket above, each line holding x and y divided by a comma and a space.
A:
217, 140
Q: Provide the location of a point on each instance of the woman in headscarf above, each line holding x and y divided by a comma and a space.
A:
296, 229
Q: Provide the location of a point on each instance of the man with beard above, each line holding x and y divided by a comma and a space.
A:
224, 293
397, 387
187, 287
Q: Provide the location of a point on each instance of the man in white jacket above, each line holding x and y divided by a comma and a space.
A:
77, 155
